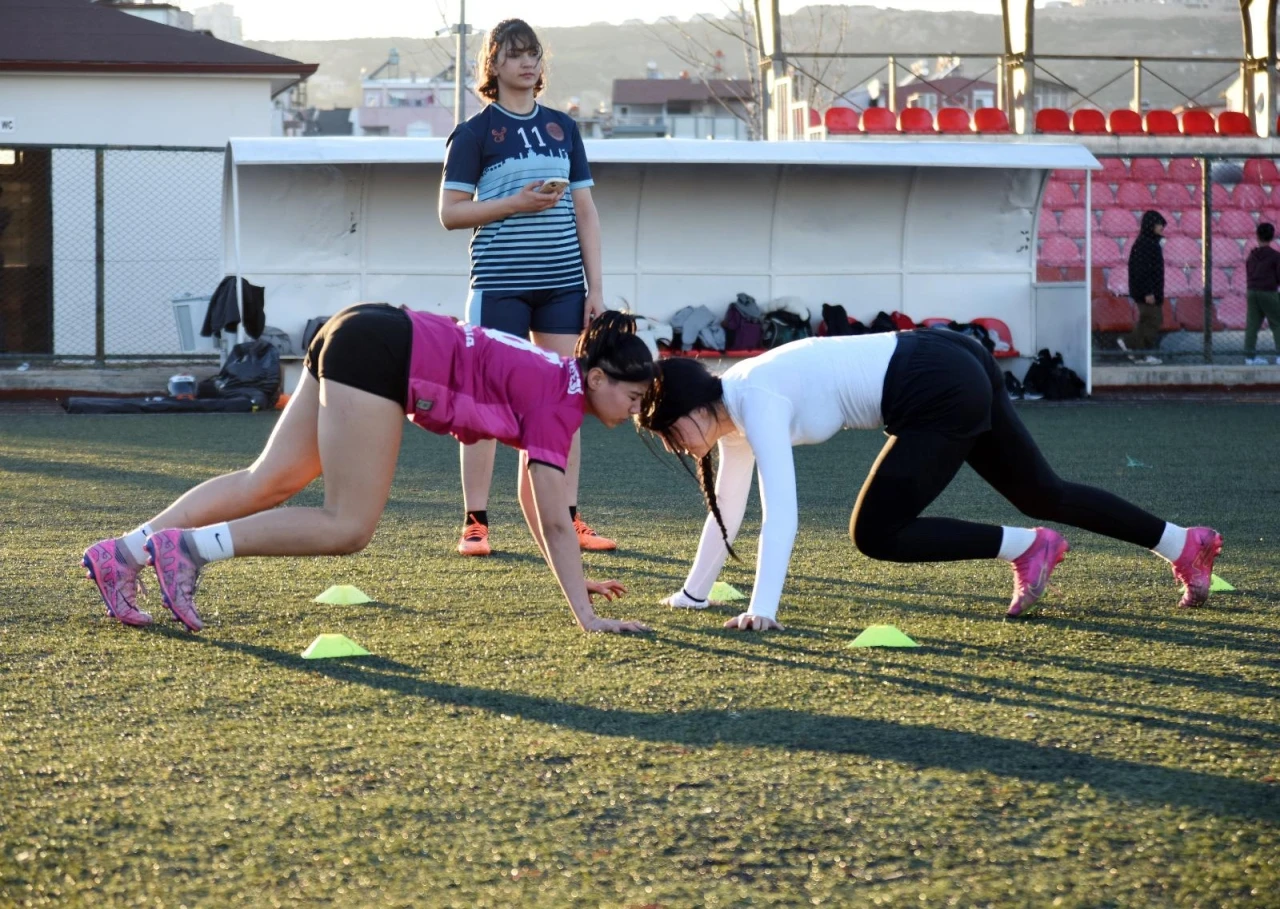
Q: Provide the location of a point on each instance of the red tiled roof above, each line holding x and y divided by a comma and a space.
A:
660, 91
80, 36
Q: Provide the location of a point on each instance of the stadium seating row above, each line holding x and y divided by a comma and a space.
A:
1186, 171
843, 121
1113, 313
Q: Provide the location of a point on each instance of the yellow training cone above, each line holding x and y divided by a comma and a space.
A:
725, 593
882, 636
1219, 584
328, 646
343, 595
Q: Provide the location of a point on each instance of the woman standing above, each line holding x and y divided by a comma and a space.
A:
516, 174
368, 368
941, 399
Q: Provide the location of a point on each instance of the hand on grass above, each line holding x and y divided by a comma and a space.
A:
610, 590
601, 625
749, 622
681, 600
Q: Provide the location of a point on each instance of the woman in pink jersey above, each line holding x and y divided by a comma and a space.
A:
368, 368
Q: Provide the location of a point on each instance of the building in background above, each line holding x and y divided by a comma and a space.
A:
160, 13
219, 20
681, 108
392, 104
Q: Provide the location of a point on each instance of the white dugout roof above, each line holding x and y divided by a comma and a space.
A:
930, 228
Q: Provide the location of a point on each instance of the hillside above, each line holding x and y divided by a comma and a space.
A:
584, 61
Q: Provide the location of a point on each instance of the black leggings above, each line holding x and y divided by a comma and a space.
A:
945, 405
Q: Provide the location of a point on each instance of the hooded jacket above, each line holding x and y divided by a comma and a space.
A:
1146, 261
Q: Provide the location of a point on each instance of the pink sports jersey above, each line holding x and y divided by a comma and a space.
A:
475, 383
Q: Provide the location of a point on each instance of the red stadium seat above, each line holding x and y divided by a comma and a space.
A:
1185, 170
1167, 321
1076, 273
1075, 177
1190, 314
1058, 196
990, 120
1073, 223
1271, 216
915, 120
1232, 309
1226, 280
1220, 197
815, 117
954, 120
1045, 274
1114, 170
1113, 313
1106, 251
1048, 225
1237, 223
841, 121
1172, 197
1160, 123
879, 120
1117, 281
1119, 222
1175, 282
1189, 225
1250, 197
1052, 120
1147, 170
1261, 170
1134, 196
1183, 252
1124, 122
1061, 251
1234, 123
1088, 122
1226, 250
999, 333
1198, 122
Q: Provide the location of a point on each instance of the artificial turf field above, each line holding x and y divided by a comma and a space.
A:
1111, 751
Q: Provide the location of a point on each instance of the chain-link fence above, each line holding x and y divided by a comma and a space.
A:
1239, 200
107, 253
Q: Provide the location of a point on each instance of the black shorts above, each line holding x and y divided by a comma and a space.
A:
555, 311
940, 381
366, 346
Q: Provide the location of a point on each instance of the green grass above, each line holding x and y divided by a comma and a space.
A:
1113, 751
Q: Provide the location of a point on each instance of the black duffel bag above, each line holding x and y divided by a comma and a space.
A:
252, 371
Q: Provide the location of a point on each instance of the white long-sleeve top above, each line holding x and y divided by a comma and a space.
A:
799, 394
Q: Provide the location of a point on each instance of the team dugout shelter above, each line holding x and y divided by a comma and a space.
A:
936, 230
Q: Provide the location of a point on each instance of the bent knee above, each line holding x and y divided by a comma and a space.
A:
874, 543
349, 539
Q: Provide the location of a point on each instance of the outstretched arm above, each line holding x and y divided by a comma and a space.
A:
544, 499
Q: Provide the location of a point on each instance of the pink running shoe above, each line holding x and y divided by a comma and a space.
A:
117, 581
1031, 570
177, 573
1194, 568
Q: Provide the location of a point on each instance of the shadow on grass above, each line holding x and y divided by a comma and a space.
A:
918, 746
76, 471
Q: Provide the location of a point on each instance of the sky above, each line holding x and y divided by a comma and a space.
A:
279, 20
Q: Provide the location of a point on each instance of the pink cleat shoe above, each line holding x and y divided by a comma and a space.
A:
177, 573
1194, 568
117, 581
1031, 570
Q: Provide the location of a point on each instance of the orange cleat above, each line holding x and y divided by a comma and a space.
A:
475, 540
589, 540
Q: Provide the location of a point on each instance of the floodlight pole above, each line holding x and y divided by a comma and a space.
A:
460, 67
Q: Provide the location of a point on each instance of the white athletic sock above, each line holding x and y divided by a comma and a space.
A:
1171, 542
134, 540
212, 543
1014, 541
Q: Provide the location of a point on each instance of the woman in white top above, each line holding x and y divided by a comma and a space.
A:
941, 399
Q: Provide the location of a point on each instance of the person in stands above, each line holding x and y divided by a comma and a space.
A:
1262, 274
516, 174
1146, 287
368, 368
941, 399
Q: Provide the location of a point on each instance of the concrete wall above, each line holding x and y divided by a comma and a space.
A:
98, 109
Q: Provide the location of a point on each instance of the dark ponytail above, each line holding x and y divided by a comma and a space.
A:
680, 387
610, 343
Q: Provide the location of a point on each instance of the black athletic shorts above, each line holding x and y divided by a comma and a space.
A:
555, 311
366, 346
940, 381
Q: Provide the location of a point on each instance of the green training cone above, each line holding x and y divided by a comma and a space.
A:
1219, 584
882, 636
725, 593
328, 646
343, 595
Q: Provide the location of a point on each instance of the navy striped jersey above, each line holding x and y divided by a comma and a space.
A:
494, 155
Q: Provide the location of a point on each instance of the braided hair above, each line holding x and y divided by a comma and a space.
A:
680, 387
610, 343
